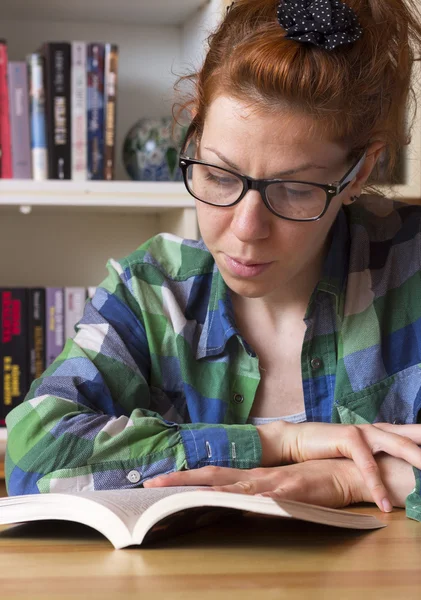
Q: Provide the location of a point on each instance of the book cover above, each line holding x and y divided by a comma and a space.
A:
19, 120
79, 111
130, 517
14, 348
37, 117
54, 316
110, 100
57, 89
6, 171
36, 333
95, 110
74, 304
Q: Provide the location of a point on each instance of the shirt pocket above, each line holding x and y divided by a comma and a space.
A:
396, 399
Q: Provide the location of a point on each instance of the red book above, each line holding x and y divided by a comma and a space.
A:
14, 380
5, 140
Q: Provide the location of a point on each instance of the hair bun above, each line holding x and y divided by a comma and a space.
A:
325, 23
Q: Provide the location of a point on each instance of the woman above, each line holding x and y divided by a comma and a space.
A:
279, 355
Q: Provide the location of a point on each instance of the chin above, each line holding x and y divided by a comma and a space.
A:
248, 288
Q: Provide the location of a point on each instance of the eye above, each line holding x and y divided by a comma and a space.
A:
220, 177
307, 193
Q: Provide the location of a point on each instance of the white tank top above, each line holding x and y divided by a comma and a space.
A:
298, 418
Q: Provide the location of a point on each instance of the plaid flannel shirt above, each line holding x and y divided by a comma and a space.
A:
158, 378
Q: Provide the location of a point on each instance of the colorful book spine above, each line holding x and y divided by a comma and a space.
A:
74, 304
19, 120
14, 348
79, 111
39, 152
57, 58
54, 312
6, 171
110, 100
95, 110
36, 332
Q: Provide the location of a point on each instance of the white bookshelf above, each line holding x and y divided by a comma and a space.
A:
83, 196
62, 232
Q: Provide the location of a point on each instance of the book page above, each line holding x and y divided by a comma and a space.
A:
130, 504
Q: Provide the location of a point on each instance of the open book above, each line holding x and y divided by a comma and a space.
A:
135, 516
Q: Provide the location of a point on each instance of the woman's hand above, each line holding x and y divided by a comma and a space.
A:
284, 442
413, 432
333, 483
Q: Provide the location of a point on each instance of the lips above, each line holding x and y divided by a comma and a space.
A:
245, 268
247, 263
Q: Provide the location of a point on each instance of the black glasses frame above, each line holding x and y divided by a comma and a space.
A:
249, 183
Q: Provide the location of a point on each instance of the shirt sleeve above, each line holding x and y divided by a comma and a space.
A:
86, 423
413, 501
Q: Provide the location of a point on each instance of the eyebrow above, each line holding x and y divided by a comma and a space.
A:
304, 167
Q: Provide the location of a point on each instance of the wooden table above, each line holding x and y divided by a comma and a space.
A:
248, 559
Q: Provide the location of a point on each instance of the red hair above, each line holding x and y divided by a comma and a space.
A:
356, 93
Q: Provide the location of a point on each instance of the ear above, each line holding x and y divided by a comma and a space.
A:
374, 151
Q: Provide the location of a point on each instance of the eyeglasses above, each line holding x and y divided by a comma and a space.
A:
288, 199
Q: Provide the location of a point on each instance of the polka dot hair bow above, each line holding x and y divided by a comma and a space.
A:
325, 23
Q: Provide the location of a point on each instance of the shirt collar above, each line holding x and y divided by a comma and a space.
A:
335, 266
219, 325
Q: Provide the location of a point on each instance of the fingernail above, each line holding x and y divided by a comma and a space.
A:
387, 507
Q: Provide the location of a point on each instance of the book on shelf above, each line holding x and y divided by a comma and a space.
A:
5, 139
54, 309
36, 332
95, 110
37, 117
74, 303
34, 325
91, 291
138, 516
19, 120
14, 375
57, 93
58, 112
110, 100
79, 111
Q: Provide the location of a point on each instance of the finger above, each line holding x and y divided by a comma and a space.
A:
393, 444
362, 442
411, 431
355, 446
202, 476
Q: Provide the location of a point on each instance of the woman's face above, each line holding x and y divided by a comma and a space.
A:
256, 252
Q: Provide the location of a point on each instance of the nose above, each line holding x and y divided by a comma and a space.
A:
251, 219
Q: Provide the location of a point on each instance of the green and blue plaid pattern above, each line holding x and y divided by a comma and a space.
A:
158, 378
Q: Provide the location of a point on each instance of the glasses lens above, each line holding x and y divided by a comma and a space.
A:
296, 200
213, 185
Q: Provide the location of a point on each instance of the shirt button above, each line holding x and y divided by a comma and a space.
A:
316, 363
134, 476
238, 398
